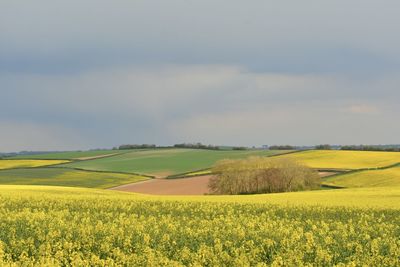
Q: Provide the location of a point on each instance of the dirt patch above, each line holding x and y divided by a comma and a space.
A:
326, 174
184, 186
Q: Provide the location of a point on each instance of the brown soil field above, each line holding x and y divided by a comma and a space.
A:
183, 186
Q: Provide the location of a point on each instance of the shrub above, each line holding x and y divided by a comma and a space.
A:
258, 175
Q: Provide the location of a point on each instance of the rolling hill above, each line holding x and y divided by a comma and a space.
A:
165, 162
368, 178
350, 160
67, 177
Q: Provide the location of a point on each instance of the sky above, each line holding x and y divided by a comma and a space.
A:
94, 73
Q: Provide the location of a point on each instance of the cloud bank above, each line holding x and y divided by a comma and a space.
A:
98, 73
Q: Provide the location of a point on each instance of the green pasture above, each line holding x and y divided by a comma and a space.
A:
165, 162
66, 177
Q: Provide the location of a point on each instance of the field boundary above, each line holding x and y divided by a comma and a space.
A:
287, 153
134, 183
100, 171
187, 174
106, 156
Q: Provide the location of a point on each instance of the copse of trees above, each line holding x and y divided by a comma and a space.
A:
196, 146
258, 175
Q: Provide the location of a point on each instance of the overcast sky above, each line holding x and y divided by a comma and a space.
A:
93, 73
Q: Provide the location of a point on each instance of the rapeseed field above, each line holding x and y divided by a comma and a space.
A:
42, 226
24, 163
337, 159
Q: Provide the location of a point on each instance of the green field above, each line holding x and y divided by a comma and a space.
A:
334, 159
369, 178
165, 162
70, 154
42, 226
66, 177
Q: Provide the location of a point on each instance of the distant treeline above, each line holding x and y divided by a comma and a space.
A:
323, 147
142, 146
284, 147
239, 148
183, 145
388, 148
371, 148
196, 146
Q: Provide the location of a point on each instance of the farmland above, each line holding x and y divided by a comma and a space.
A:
196, 185
11, 164
165, 162
66, 177
81, 227
50, 216
71, 154
333, 159
368, 178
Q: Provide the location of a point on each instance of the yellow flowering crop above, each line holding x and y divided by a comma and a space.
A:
42, 226
368, 178
337, 159
27, 163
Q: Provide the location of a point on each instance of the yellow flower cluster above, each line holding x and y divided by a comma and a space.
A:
49, 226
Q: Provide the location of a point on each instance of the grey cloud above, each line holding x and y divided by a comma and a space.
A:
286, 36
19, 136
239, 72
164, 104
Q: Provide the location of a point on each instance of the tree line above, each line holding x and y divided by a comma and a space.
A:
135, 146
387, 148
282, 147
372, 148
196, 146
